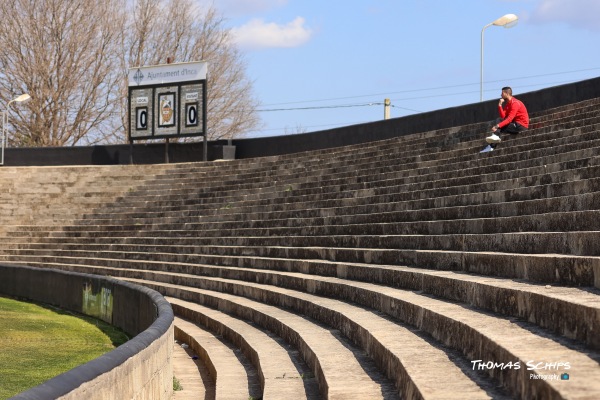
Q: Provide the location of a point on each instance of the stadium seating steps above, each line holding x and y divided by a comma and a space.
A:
413, 267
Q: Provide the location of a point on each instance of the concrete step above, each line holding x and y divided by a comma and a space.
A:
414, 251
287, 199
351, 215
294, 231
560, 187
479, 336
569, 137
575, 311
70, 191
191, 373
364, 149
417, 210
410, 348
234, 376
462, 170
323, 349
294, 189
577, 243
282, 373
542, 268
557, 195
545, 222
411, 372
514, 181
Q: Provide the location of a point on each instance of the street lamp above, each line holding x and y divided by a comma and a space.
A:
18, 99
507, 21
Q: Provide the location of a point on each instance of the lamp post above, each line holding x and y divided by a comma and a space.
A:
18, 99
507, 21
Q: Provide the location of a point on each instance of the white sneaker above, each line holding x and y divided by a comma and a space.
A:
493, 139
488, 148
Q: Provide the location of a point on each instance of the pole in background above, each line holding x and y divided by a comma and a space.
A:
386, 109
131, 152
169, 61
507, 21
4, 114
166, 150
19, 99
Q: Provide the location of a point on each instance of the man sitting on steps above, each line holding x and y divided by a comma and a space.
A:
513, 118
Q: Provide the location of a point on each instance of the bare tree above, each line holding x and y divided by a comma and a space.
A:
193, 34
63, 52
72, 56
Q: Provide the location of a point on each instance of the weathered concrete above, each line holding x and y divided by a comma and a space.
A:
233, 377
321, 348
477, 335
281, 374
192, 375
407, 247
141, 368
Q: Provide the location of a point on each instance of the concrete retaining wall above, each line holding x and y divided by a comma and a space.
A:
141, 368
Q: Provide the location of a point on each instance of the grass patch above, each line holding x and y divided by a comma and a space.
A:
39, 342
177, 385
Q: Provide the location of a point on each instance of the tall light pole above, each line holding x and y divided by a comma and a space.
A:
18, 99
507, 21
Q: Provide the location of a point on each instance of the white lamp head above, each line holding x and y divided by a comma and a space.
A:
23, 97
507, 21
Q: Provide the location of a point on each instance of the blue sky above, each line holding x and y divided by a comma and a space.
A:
338, 60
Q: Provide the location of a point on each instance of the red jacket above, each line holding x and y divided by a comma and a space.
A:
515, 111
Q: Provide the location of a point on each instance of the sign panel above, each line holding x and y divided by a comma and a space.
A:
167, 101
166, 104
141, 113
167, 73
166, 110
191, 108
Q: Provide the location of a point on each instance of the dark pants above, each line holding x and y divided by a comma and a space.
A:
513, 128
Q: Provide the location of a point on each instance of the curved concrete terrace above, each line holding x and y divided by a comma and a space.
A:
141, 368
410, 261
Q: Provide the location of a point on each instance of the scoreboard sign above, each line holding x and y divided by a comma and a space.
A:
167, 101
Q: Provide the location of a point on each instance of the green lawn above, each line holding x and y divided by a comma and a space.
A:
38, 342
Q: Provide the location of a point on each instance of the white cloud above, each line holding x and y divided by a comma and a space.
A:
576, 13
258, 34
